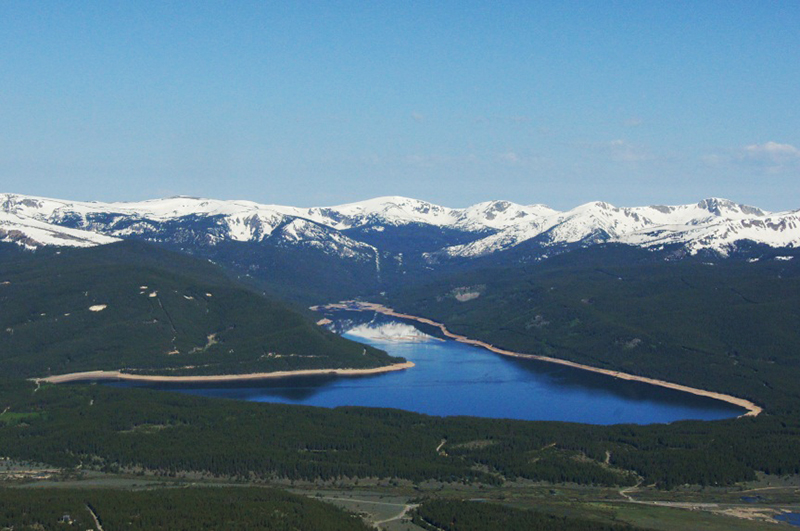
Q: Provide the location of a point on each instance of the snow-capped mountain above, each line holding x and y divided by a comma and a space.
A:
31, 233
479, 230
711, 224
395, 210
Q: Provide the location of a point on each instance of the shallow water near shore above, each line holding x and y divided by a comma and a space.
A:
451, 378
789, 518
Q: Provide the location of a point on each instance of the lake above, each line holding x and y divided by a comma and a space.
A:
789, 518
451, 378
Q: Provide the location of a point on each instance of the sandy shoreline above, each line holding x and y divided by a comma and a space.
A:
752, 409
220, 378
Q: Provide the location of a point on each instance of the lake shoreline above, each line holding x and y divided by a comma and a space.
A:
119, 375
752, 409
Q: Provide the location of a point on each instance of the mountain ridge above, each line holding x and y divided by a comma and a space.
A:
357, 249
712, 223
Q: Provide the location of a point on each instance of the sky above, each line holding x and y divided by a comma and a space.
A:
321, 103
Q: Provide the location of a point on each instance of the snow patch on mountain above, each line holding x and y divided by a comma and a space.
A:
32, 234
389, 332
499, 215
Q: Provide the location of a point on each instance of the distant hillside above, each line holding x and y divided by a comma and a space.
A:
729, 326
140, 308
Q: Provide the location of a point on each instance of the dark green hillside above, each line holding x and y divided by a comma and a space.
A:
145, 309
731, 326
95, 426
301, 274
449, 515
185, 509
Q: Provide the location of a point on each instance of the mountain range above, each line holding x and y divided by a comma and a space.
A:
372, 243
714, 224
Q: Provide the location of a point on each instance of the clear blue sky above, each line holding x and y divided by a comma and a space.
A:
312, 103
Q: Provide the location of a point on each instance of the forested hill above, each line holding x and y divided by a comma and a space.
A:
171, 509
140, 308
729, 326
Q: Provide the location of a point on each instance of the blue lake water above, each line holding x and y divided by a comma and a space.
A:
789, 518
451, 378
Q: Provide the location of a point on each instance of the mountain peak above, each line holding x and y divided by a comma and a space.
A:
720, 207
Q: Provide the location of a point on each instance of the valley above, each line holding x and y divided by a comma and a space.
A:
210, 298
399, 266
